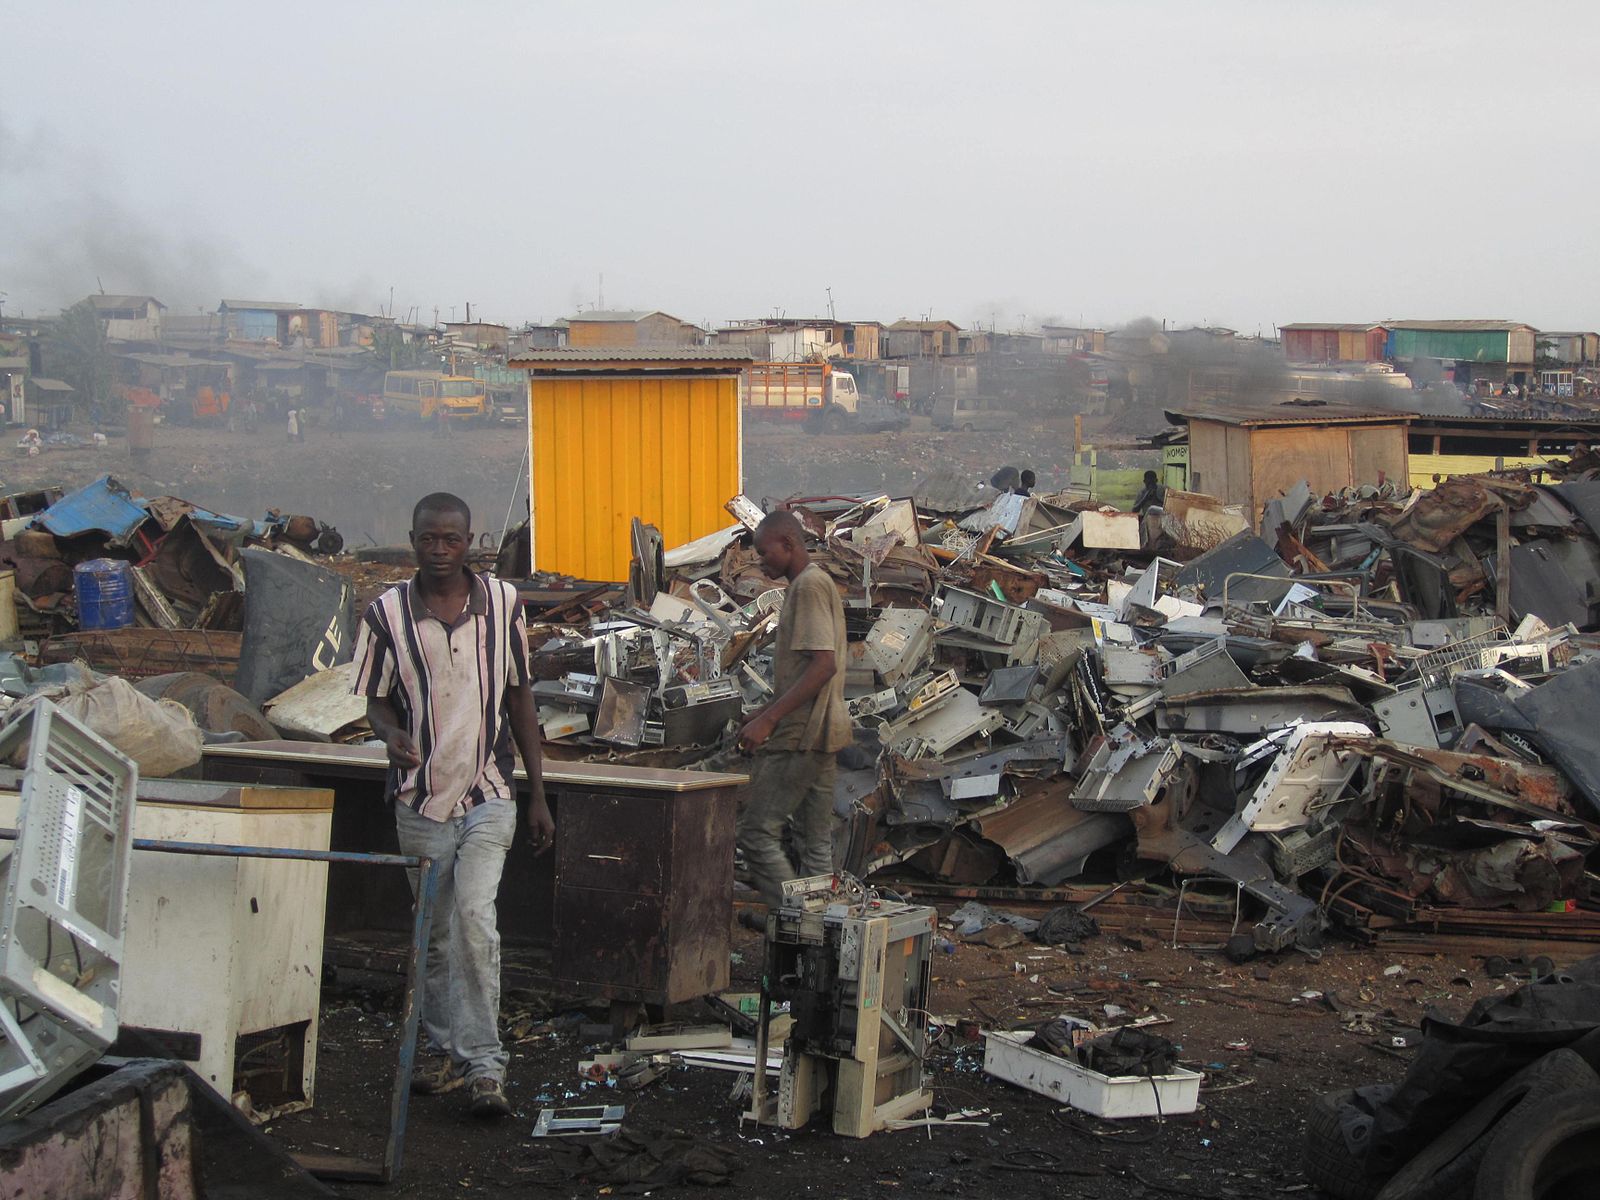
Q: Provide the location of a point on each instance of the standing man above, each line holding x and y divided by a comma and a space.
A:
443, 663
294, 425
1152, 495
795, 737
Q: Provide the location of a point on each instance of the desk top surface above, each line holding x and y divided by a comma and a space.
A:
361, 759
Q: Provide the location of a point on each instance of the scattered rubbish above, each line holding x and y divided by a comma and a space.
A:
593, 1120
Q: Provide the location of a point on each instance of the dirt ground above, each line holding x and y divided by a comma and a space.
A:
1263, 1033
1266, 1035
364, 482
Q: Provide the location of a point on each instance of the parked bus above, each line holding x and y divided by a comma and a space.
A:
422, 394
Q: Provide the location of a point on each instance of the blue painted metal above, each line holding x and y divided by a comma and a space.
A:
103, 506
104, 587
427, 891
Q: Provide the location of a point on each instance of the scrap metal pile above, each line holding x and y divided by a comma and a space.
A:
1369, 721
186, 571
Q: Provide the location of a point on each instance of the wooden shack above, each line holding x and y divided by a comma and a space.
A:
1249, 454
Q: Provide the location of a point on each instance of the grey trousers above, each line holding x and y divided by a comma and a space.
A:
785, 785
461, 995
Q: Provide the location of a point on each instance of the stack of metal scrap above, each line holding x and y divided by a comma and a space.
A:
185, 569
1333, 720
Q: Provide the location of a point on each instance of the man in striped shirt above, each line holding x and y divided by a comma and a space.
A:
443, 663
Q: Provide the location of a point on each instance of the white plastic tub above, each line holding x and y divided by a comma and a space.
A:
1005, 1056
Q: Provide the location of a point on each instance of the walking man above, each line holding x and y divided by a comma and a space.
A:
443, 663
795, 737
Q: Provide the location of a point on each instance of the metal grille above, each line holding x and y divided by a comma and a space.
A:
64, 900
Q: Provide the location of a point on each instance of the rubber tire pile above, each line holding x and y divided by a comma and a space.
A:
1535, 1137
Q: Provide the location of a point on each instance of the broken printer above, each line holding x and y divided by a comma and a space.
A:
854, 970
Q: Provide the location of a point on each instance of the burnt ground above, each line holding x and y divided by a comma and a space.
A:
1266, 1047
365, 482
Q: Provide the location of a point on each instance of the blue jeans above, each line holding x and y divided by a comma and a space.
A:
461, 994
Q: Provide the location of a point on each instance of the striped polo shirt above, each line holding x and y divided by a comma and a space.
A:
448, 683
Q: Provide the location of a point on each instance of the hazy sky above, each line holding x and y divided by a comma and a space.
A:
1246, 164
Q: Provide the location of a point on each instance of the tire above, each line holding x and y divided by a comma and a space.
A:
1446, 1167
833, 421
1329, 1163
1547, 1149
967, 428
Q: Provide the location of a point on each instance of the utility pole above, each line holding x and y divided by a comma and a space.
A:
832, 316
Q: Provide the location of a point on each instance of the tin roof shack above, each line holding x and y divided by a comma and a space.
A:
1493, 351
129, 318
1070, 339
618, 434
1568, 347
601, 328
1442, 445
538, 337
920, 339
1250, 454
49, 403
13, 374
781, 339
480, 335
1316, 342
794, 339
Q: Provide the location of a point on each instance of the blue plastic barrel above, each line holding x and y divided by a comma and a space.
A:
105, 593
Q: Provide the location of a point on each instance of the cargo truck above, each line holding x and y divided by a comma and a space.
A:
820, 397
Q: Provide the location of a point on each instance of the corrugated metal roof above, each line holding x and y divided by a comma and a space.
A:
1587, 426
1288, 414
1494, 326
13, 364
103, 506
104, 302
634, 356
51, 385
903, 326
261, 305
1340, 326
623, 316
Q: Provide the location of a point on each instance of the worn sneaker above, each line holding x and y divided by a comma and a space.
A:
487, 1098
436, 1074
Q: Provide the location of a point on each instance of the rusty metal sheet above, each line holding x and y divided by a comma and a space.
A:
1044, 836
1440, 516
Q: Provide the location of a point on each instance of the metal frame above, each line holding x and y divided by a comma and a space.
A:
328, 1167
66, 883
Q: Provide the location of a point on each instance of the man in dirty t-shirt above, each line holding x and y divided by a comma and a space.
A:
795, 736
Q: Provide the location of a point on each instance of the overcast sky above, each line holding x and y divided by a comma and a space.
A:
1245, 164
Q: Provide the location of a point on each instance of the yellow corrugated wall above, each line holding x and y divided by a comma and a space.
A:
1423, 467
606, 450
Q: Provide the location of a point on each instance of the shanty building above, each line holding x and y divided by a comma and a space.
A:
601, 328
1311, 342
1495, 352
129, 318
1250, 454
1446, 444
920, 339
618, 434
1570, 348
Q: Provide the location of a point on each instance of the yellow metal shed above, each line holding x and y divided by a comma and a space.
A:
616, 434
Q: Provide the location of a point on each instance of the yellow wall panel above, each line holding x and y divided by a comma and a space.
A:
606, 449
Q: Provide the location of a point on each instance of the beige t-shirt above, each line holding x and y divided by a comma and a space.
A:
812, 619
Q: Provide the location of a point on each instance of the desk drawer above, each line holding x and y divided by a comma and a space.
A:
615, 843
